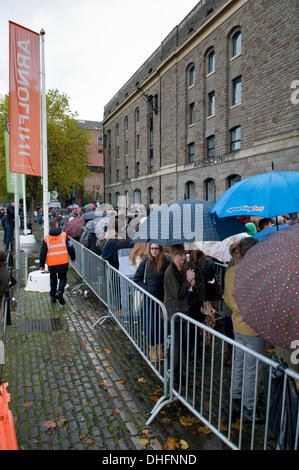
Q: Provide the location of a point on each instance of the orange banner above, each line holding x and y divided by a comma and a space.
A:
24, 101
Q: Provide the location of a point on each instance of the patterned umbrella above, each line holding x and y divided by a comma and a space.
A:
186, 221
90, 207
91, 225
267, 287
220, 250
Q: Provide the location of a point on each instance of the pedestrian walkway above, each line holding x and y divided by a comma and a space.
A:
77, 387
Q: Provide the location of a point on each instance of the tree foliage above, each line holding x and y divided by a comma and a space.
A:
66, 147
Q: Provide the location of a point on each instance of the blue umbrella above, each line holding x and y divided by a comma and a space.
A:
263, 233
265, 195
186, 221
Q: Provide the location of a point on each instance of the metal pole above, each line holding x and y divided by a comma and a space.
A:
44, 139
24, 204
17, 239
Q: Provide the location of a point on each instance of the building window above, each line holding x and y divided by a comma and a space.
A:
116, 130
191, 113
237, 43
117, 199
127, 172
137, 141
117, 152
211, 146
137, 115
191, 152
191, 76
210, 190
137, 168
189, 190
237, 90
126, 123
211, 103
100, 139
127, 148
232, 179
117, 175
137, 196
150, 195
235, 139
211, 62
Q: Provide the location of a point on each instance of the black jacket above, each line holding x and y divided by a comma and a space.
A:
154, 283
10, 211
44, 250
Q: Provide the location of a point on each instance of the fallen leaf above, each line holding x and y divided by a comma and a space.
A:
166, 420
107, 351
97, 371
28, 404
122, 381
116, 411
89, 441
82, 436
63, 420
202, 430
188, 420
49, 425
171, 444
142, 380
157, 392
183, 444
102, 384
145, 432
28, 385
144, 442
155, 399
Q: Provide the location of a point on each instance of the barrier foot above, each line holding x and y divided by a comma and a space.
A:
164, 400
74, 291
101, 320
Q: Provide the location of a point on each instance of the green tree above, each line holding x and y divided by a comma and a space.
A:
66, 146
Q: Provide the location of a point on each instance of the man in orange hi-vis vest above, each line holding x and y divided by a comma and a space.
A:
56, 250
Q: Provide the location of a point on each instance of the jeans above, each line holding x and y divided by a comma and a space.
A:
54, 277
8, 235
257, 344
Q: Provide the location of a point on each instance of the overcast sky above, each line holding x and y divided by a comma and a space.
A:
92, 46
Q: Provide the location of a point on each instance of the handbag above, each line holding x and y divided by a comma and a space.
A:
138, 296
209, 320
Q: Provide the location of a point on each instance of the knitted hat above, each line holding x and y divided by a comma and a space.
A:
251, 228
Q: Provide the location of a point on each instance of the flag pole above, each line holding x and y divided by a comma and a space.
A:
44, 139
24, 204
17, 232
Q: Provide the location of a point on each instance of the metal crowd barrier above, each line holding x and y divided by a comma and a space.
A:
141, 316
204, 386
190, 360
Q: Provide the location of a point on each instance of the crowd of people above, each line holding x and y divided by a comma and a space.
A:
184, 280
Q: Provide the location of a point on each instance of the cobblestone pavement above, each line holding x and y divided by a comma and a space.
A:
77, 387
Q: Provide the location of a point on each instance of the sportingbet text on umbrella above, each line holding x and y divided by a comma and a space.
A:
265, 195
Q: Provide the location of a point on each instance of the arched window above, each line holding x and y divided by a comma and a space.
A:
211, 62
190, 190
232, 179
191, 75
236, 43
210, 190
137, 196
137, 115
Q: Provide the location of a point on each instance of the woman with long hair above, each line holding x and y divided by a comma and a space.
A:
150, 276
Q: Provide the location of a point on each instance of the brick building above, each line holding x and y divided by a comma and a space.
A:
212, 105
94, 182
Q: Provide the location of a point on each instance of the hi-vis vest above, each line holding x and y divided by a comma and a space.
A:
57, 249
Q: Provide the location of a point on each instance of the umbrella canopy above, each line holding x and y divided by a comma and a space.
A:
220, 250
265, 195
91, 215
90, 207
73, 227
267, 287
186, 221
263, 233
91, 225
73, 206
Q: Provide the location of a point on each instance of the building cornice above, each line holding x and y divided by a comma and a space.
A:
209, 26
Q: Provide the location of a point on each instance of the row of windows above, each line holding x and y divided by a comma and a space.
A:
209, 191
236, 50
235, 144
